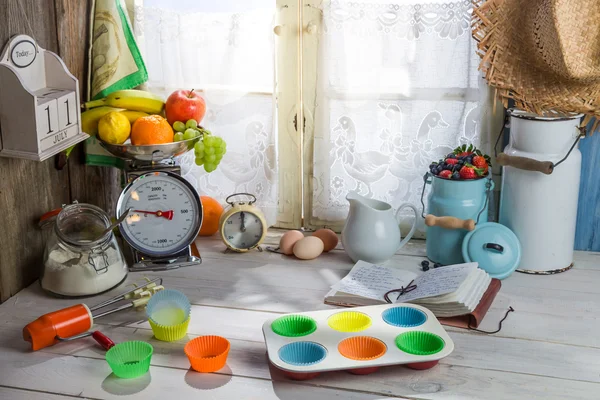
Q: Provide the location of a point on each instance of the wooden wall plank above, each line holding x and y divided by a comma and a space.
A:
587, 236
27, 188
95, 185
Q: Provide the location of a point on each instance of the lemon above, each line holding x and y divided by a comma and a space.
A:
114, 128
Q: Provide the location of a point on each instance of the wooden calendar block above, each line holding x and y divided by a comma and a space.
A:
46, 117
39, 102
59, 137
67, 109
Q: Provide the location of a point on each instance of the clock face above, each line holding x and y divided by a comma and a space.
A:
165, 214
243, 230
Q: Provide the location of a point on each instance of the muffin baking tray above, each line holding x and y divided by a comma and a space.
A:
358, 339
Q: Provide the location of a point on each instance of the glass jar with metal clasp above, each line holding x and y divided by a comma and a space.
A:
79, 260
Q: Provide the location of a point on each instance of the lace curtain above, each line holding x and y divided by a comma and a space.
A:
398, 88
224, 49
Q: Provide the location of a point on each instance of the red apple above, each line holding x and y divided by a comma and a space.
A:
183, 105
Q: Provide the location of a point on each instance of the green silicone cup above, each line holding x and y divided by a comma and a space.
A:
419, 343
130, 359
294, 326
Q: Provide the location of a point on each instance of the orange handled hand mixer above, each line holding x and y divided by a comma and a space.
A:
74, 322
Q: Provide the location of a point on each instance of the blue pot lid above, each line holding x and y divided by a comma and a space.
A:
495, 247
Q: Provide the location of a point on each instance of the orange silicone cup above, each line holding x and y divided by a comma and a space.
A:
362, 348
207, 353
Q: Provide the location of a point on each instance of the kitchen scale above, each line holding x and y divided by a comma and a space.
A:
166, 211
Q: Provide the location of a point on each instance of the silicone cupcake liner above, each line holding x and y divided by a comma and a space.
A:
130, 359
163, 305
363, 371
168, 313
422, 365
294, 326
169, 333
419, 343
349, 321
302, 353
300, 376
404, 317
362, 348
207, 353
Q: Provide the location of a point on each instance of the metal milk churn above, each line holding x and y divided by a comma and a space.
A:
454, 209
540, 189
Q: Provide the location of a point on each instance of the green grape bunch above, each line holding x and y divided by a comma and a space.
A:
209, 150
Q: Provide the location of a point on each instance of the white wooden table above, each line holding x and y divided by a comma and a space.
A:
549, 348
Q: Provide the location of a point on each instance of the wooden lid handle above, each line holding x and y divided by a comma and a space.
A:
449, 222
527, 164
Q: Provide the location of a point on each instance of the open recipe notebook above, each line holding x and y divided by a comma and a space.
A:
459, 295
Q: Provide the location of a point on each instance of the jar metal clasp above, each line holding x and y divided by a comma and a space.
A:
96, 259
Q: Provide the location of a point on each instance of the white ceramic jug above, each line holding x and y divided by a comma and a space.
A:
371, 232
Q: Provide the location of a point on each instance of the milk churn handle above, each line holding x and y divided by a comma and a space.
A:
582, 132
488, 188
529, 164
425, 182
505, 124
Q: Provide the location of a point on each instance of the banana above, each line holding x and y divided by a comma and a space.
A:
135, 100
132, 116
90, 118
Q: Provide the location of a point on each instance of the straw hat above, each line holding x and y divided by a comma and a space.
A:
543, 54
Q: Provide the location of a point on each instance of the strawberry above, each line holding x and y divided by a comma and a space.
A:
445, 174
481, 163
471, 172
451, 161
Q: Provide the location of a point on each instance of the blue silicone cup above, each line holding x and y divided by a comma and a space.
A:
168, 299
302, 353
404, 317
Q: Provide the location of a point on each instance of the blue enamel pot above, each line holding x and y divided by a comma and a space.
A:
465, 200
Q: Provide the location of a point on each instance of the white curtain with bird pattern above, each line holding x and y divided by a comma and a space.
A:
225, 49
398, 88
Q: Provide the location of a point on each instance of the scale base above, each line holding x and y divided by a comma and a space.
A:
184, 258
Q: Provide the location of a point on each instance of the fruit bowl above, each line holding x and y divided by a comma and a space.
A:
155, 152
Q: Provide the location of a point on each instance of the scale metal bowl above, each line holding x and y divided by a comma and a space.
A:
154, 152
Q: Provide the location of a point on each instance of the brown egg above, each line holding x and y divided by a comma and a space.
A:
288, 240
329, 238
308, 248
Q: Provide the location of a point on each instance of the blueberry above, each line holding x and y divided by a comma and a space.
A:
425, 268
456, 175
451, 155
437, 265
424, 263
455, 168
460, 162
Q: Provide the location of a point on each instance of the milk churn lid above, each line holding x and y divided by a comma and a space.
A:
495, 247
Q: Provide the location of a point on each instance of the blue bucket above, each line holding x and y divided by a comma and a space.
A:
465, 200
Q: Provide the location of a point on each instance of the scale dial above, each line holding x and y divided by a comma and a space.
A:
166, 214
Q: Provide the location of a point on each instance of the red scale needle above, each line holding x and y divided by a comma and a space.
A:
165, 214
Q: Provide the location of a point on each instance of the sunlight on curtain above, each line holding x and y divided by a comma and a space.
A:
398, 88
226, 49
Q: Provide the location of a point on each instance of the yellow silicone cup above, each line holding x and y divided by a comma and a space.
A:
169, 333
349, 321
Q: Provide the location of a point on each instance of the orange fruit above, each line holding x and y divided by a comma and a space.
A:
212, 211
152, 129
